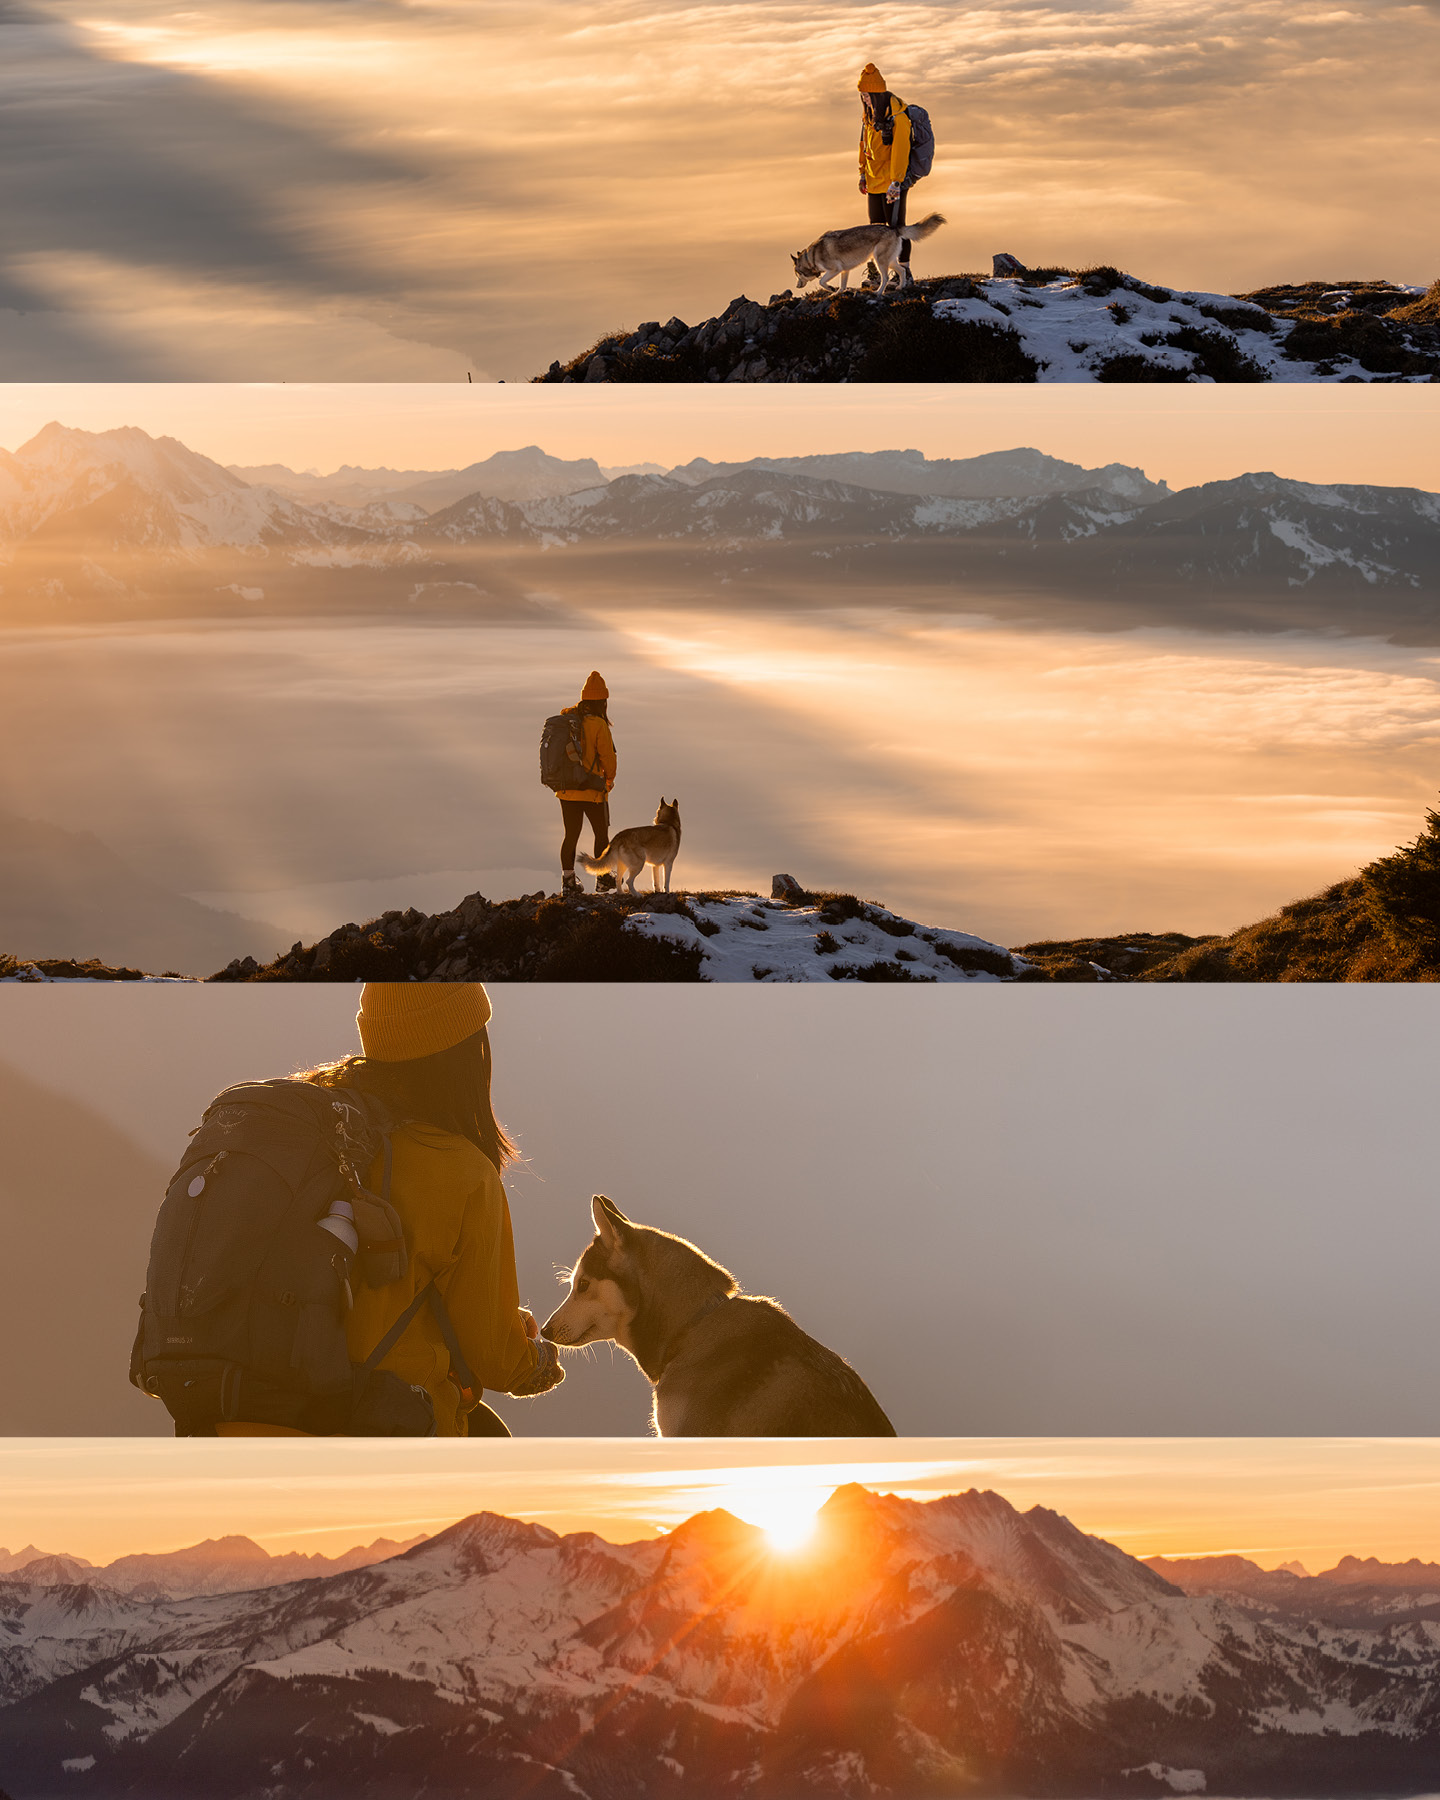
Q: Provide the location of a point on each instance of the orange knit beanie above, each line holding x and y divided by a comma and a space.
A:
871, 80
402, 1020
595, 688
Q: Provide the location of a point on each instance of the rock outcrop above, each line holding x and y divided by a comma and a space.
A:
1044, 325
719, 936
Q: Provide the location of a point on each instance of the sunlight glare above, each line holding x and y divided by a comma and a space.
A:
785, 1513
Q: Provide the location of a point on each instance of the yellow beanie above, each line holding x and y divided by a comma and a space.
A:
402, 1020
595, 688
871, 80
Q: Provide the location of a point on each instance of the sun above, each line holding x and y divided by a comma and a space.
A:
785, 1513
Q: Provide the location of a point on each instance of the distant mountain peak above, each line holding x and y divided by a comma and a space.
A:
1014, 1655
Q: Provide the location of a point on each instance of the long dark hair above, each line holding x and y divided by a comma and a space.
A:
450, 1090
594, 709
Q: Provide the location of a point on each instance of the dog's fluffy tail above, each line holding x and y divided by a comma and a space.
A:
924, 228
608, 864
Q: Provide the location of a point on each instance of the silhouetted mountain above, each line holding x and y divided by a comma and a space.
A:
999, 474
1363, 1593
65, 894
225, 1565
517, 475
910, 1648
1369, 1571
520, 475
348, 485
77, 1238
54, 1571
12, 1560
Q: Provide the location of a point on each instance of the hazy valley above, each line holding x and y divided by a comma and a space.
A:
1084, 703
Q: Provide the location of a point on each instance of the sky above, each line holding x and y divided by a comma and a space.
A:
421, 189
1382, 435
1028, 1210
1273, 1500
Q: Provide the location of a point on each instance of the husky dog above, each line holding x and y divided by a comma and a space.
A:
838, 252
630, 850
722, 1363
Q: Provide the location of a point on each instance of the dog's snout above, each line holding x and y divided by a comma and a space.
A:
547, 1330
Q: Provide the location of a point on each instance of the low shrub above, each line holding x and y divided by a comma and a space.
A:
911, 344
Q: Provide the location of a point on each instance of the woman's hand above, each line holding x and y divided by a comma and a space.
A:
527, 1319
547, 1373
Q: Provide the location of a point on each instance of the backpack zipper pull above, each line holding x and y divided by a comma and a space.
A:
197, 1186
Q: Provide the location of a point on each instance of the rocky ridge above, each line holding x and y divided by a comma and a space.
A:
719, 936
1046, 325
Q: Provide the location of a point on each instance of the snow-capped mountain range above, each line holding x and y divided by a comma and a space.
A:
951, 1646
96, 510
218, 1566
124, 490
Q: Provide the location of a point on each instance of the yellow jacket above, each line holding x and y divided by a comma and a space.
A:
882, 163
457, 1223
597, 753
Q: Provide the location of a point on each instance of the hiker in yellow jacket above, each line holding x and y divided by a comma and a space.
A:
577, 805
426, 1058
884, 154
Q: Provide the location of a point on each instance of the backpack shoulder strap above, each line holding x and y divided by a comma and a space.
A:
470, 1391
397, 1330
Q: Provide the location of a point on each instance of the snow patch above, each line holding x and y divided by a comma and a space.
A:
1179, 1781
27, 971
744, 938
1071, 334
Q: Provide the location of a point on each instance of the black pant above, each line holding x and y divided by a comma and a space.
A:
882, 212
575, 813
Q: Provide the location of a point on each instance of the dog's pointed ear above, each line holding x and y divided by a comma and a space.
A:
610, 1222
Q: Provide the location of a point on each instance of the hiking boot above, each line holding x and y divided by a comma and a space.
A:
604, 884
871, 277
570, 888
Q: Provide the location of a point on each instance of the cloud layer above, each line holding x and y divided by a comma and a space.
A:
264, 192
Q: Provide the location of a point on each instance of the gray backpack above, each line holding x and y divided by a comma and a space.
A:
922, 144
262, 1229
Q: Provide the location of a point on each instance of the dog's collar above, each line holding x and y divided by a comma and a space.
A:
703, 1311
